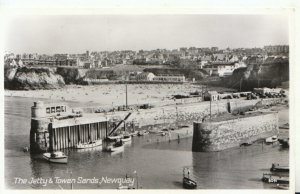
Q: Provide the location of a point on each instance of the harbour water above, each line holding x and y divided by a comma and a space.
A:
159, 164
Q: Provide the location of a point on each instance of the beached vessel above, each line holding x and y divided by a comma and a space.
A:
88, 144
272, 139
56, 157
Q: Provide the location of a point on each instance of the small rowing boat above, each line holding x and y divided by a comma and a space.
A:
188, 183
56, 157
116, 147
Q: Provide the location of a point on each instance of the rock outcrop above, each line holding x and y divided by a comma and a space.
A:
71, 75
269, 74
26, 78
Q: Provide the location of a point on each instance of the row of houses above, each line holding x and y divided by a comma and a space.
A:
148, 76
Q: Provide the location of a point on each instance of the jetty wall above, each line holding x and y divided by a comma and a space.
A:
55, 127
186, 114
220, 135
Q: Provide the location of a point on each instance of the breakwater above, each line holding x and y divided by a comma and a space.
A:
231, 131
177, 113
55, 126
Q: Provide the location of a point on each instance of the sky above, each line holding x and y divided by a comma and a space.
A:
50, 34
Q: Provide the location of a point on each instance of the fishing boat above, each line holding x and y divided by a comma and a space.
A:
88, 144
56, 157
126, 138
113, 138
277, 168
118, 146
188, 183
272, 139
282, 186
135, 133
272, 178
142, 133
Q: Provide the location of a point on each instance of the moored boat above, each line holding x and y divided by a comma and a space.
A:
272, 178
56, 157
113, 138
88, 144
118, 146
277, 168
142, 133
284, 143
282, 186
188, 183
126, 138
135, 133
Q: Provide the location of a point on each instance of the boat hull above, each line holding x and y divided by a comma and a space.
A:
126, 139
116, 149
60, 160
189, 184
275, 179
88, 145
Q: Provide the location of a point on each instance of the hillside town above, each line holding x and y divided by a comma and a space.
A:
214, 61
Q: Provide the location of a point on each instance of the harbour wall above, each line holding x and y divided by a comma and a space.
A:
216, 136
186, 114
48, 133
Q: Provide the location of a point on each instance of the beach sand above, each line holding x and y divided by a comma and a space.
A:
110, 94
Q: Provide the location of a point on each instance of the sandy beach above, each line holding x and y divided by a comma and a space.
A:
111, 94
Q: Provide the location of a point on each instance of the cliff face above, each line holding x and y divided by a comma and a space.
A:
270, 74
72, 75
32, 78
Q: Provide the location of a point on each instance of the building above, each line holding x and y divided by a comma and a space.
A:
267, 90
56, 127
145, 76
169, 78
222, 68
277, 49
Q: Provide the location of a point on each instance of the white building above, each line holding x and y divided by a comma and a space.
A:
145, 76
